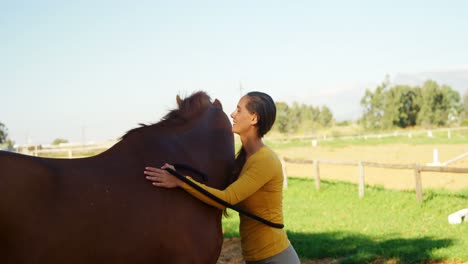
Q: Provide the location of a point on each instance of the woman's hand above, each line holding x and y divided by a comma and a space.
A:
161, 177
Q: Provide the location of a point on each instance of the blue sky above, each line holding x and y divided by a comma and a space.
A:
91, 70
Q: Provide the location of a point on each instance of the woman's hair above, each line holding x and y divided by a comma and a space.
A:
264, 107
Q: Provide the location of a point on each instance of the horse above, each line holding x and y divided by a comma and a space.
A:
101, 209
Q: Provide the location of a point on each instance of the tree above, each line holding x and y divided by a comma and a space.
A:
325, 116
282, 117
373, 104
301, 118
59, 141
401, 106
439, 105
452, 105
3, 133
4, 139
309, 118
409, 107
294, 117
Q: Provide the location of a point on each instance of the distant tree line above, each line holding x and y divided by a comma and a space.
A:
405, 106
386, 107
3, 133
7, 142
301, 118
59, 141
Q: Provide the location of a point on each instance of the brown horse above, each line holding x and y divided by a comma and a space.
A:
101, 209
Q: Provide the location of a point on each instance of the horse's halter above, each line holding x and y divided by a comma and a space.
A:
215, 198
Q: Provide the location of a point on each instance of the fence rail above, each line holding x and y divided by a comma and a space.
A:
68, 151
408, 133
361, 164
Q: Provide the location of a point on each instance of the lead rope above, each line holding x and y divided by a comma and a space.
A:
217, 199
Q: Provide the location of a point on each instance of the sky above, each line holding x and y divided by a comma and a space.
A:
88, 71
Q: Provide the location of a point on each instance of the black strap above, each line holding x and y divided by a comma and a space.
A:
188, 168
219, 200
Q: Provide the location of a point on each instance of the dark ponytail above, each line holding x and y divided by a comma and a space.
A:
241, 157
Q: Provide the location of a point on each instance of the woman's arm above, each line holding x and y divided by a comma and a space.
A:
252, 179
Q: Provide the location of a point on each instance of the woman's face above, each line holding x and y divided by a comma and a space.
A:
242, 119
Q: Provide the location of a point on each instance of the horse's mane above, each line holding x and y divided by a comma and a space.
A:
187, 109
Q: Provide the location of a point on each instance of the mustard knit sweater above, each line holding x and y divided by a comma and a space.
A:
259, 191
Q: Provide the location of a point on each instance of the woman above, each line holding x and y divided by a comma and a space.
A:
258, 188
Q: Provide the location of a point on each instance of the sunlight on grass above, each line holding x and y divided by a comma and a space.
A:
386, 224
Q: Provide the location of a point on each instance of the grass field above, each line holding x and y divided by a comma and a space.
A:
385, 226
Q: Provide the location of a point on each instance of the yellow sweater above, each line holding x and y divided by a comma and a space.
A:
259, 191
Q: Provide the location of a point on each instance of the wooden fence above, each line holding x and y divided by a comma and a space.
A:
397, 133
417, 168
65, 151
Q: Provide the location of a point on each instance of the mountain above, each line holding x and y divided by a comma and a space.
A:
457, 79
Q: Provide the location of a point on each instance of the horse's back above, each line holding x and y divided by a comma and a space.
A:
24, 187
24, 181
69, 211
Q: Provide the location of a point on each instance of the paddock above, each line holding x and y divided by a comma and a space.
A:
390, 154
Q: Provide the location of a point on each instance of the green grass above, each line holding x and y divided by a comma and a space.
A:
384, 225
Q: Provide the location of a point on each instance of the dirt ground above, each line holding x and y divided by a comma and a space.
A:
388, 178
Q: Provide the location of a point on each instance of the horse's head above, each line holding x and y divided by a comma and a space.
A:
197, 133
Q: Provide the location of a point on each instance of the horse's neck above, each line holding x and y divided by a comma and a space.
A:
123, 149
136, 147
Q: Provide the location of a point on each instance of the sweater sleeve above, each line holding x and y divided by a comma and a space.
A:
251, 179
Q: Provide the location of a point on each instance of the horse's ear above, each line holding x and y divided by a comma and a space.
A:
179, 101
218, 104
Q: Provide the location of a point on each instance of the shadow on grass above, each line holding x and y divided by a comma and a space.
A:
431, 194
357, 248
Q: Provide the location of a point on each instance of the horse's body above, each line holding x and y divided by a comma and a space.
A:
102, 210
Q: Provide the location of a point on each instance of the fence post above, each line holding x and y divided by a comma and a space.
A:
417, 179
70, 155
317, 175
285, 175
361, 179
